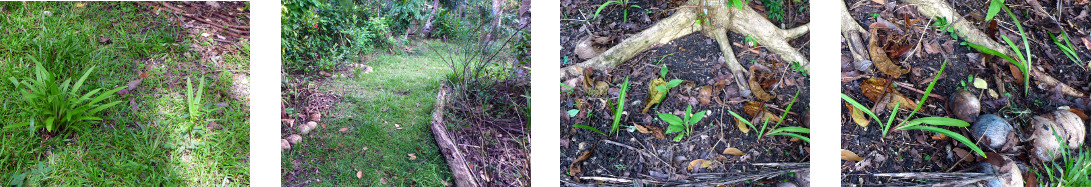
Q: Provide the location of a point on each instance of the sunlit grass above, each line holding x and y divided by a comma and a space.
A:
140, 142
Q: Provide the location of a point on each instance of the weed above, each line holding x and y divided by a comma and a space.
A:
32, 177
193, 104
1022, 63
798, 67
874, 15
682, 125
916, 124
994, 8
1067, 48
775, 131
750, 40
620, 106
56, 105
1074, 169
624, 3
738, 3
942, 25
774, 9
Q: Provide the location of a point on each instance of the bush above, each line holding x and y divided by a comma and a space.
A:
318, 36
55, 105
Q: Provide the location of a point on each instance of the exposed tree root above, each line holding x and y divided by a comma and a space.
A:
940, 8
853, 34
683, 22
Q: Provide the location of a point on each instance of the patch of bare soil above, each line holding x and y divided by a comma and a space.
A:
653, 158
918, 46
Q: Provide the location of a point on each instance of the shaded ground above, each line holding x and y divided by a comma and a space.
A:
697, 60
920, 151
140, 141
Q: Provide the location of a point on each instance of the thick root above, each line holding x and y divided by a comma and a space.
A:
722, 18
673, 27
853, 32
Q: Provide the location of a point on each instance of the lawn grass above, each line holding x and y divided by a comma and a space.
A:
370, 107
139, 142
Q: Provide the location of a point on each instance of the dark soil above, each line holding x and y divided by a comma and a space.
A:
918, 151
697, 59
496, 142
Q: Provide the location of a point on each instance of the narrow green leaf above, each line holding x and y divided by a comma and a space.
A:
79, 83
603, 6
956, 136
801, 137
791, 129
589, 128
859, 106
943, 121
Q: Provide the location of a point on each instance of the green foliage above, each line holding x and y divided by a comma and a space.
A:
673, 82
30, 178
942, 25
916, 124
682, 125
58, 105
319, 36
738, 3
623, 3
994, 8
799, 67
196, 110
620, 106
794, 132
774, 9
1067, 48
1073, 169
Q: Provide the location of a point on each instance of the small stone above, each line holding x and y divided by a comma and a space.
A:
994, 129
284, 145
304, 129
295, 139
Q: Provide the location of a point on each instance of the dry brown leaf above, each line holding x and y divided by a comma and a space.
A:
850, 156
881, 60
756, 89
705, 95
1016, 73
412, 156
1078, 113
699, 163
733, 151
742, 126
879, 1
873, 88
343, 130
359, 174
858, 116
575, 169
290, 122
397, 126
939, 137
752, 108
906, 103
641, 129
655, 131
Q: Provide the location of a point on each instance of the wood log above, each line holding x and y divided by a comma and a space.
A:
455, 160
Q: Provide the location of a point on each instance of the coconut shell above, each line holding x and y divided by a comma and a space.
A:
964, 105
1045, 142
1072, 125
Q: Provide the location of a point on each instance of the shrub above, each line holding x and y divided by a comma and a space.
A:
55, 105
318, 36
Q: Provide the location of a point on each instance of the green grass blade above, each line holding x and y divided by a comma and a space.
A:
928, 91
603, 6
956, 136
791, 129
859, 106
801, 137
79, 83
890, 121
589, 128
942, 121
620, 106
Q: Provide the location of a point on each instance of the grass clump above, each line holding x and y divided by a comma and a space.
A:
56, 105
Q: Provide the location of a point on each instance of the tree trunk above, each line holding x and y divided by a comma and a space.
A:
428, 24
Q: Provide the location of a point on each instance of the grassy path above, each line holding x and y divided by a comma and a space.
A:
400, 93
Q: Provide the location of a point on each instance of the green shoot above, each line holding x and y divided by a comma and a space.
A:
623, 3
1067, 48
994, 8
620, 106
683, 125
193, 103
